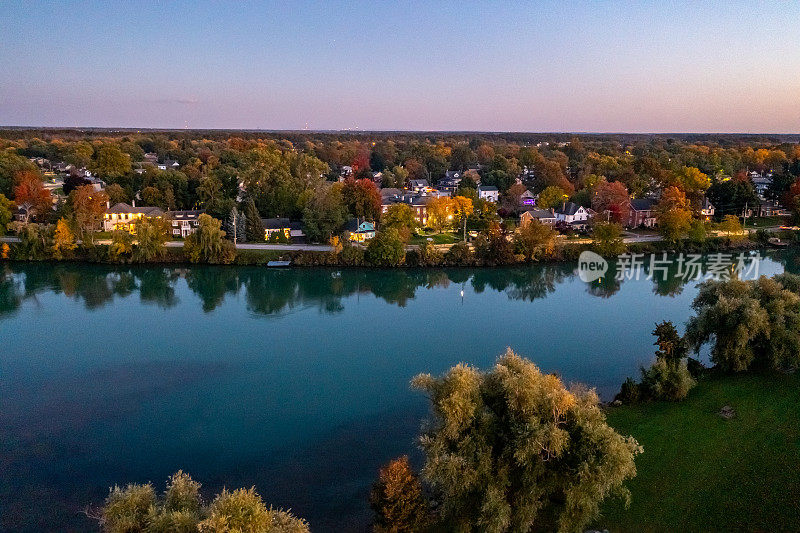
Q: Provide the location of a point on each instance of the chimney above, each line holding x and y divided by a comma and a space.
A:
133, 202
108, 204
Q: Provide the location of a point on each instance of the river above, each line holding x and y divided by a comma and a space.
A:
295, 380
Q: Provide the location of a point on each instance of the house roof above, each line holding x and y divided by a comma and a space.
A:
279, 223
122, 207
642, 204
353, 225
707, 204
390, 192
419, 183
540, 213
489, 188
185, 215
568, 208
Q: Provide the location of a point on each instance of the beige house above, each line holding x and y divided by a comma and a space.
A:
123, 216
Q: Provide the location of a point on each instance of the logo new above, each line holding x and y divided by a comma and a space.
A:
591, 266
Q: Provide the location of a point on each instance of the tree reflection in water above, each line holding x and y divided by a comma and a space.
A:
271, 292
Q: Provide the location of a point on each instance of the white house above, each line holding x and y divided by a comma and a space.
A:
488, 193
570, 212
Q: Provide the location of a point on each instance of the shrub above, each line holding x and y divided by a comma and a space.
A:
665, 381
460, 254
386, 249
351, 255
136, 509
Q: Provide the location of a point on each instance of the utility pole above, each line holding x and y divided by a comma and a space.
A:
744, 215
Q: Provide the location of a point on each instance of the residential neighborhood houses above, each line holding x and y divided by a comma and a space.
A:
494, 192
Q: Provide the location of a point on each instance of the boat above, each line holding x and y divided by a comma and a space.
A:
278, 263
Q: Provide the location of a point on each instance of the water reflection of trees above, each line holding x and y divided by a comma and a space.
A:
272, 292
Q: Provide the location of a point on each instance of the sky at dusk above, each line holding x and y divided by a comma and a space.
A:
478, 66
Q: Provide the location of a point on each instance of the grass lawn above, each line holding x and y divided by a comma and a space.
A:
765, 222
438, 238
700, 472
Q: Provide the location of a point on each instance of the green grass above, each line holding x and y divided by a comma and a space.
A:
765, 222
699, 472
438, 238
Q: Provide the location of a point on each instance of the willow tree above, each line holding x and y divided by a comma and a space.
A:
208, 244
512, 449
151, 236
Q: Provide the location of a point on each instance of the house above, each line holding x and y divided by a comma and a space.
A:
184, 223
168, 164
418, 202
488, 193
767, 208
570, 212
527, 199
151, 157
124, 217
641, 213
707, 209
761, 184
545, 216
359, 232
450, 182
275, 227
418, 185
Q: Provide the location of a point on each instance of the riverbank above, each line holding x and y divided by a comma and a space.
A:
703, 472
458, 255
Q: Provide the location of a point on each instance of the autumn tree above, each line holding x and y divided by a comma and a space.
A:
535, 240
362, 198
116, 194
30, 194
673, 214
440, 213
552, 196
63, 240
462, 209
612, 201
731, 227
12, 164
87, 206
397, 499
512, 448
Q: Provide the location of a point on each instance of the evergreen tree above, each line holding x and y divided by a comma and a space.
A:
254, 227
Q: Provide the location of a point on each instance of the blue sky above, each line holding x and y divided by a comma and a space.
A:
502, 66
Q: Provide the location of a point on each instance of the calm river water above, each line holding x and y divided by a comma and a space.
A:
295, 381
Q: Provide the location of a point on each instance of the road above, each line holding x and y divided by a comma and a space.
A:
240, 246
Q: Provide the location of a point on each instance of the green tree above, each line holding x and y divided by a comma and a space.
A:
208, 244
121, 244
126, 510
325, 213
397, 499
534, 240
10, 165
608, 239
386, 249
6, 213
668, 378
255, 228
512, 448
152, 234
749, 323
552, 196
111, 162
401, 217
